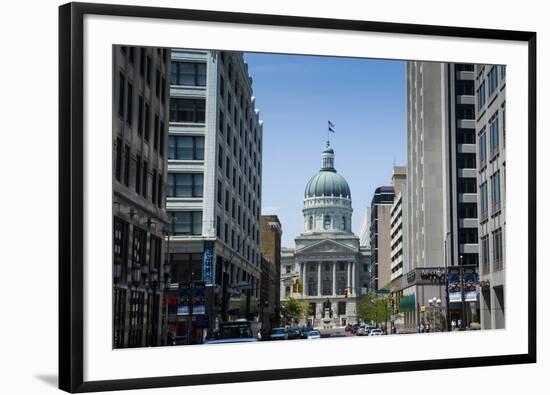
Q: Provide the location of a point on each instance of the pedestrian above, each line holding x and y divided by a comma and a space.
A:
453, 325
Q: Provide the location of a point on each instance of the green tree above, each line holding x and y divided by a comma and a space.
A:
293, 310
375, 308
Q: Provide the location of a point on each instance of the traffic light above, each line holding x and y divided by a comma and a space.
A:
346, 291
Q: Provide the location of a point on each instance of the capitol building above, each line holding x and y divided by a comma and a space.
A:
327, 268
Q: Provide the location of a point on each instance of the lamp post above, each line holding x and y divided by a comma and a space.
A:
447, 312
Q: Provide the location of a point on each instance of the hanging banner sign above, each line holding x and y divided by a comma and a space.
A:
453, 285
208, 262
471, 281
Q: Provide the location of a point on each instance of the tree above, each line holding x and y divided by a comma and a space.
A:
293, 310
374, 308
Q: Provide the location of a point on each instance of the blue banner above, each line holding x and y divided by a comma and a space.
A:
208, 262
453, 285
471, 281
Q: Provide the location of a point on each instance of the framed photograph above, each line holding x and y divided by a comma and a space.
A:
249, 197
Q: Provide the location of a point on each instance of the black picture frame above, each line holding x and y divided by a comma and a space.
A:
71, 204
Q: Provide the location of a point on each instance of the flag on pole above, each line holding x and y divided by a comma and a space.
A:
331, 127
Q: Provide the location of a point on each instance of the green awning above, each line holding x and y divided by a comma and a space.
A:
407, 303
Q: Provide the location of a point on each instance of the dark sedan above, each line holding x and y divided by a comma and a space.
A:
278, 334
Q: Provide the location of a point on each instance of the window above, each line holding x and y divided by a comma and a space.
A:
118, 160
493, 80
142, 62
149, 69
288, 269
140, 115
186, 267
186, 147
485, 254
341, 308
161, 142
129, 103
465, 111
495, 191
467, 236
185, 185
156, 135
157, 83
147, 121
154, 187
120, 245
287, 290
127, 165
467, 185
343, 223
220, 121
481, 96
227, 166
159, 191
218, 226
186, 222
145, 179
188, 73
483, 201
467, 210
138, 174
121, 92
227, 200
464, 67
497, 249
482, 148
220, 192
464, 87
465, 136
493, 127
187, 110
138, 248
220, 157
466, 161
326, 222
163, 90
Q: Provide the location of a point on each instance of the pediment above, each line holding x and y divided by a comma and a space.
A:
327, 247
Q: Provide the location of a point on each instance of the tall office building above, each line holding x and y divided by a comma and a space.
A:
380, 238
441, 187
140, 119
364, 230
214, 189
398, 215
491, 140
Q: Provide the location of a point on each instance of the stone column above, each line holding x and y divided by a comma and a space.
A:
334, 278
353, 278
348, 283
318, 278
303, 277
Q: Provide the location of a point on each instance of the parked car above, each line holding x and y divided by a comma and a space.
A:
362, 331
376, 332
278, 334
294, 333
348, 328
313, 335
304, 331
354, 328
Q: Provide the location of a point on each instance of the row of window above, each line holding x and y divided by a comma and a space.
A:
144, 181
495, 195
492, 84
241, 245
139, 250
498, 257
186, 223
328, 223
494, 138
126, 111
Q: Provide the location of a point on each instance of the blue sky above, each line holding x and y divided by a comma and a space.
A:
296, 96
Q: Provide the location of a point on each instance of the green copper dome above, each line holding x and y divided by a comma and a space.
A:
327, 182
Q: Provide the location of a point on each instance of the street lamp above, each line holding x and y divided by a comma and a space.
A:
447, 312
